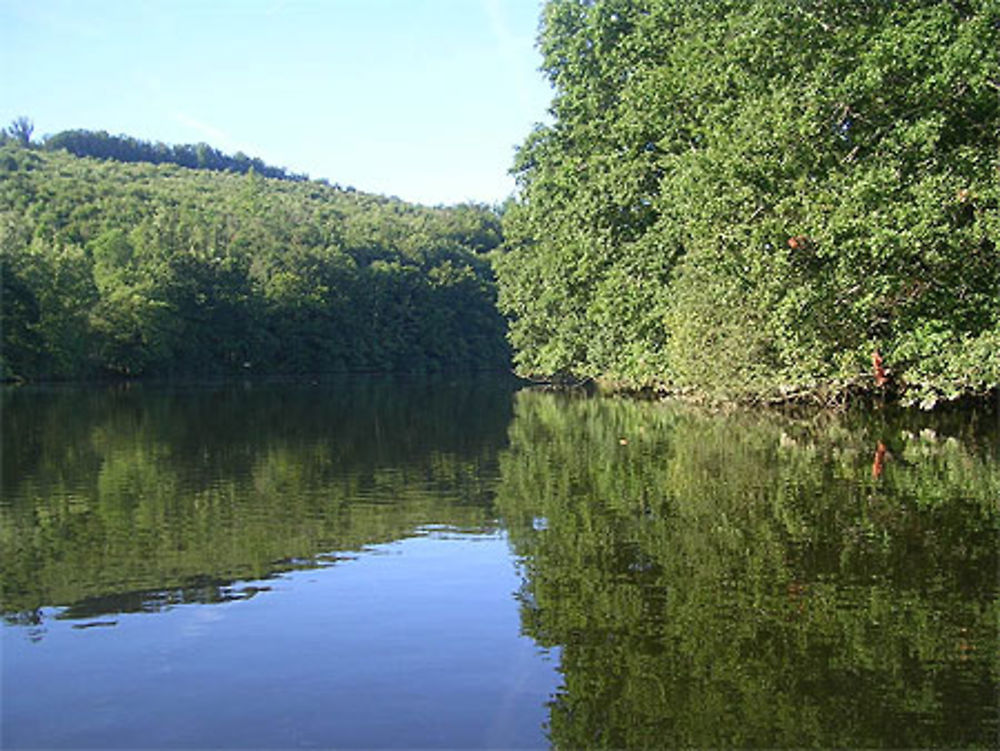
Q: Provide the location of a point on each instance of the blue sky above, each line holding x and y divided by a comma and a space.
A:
422, 99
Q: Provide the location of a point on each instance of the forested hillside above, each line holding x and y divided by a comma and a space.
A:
759, 198
142, 269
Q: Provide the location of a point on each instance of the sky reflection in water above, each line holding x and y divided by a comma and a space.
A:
412, 643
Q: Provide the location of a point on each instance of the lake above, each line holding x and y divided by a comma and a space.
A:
399, 562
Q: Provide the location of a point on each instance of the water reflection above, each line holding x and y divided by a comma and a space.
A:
134, 499
738, 580
758, 581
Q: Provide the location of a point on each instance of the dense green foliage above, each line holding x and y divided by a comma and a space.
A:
755, 581
750, 197
133, 497
160, 270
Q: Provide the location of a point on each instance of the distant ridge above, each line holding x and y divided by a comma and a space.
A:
122, 148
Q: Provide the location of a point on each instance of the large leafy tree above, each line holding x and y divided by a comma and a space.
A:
752, 197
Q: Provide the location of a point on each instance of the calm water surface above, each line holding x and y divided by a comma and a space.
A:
397, 563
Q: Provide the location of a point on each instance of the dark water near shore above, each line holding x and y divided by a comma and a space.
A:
401, 563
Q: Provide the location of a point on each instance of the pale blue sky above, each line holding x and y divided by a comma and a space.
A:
422, 99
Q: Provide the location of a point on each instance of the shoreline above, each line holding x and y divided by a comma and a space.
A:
834, 396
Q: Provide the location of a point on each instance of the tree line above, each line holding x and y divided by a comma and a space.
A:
157, 270
762, 199
99, 144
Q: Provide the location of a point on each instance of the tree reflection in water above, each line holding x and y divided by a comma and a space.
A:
136, 498
739, 579
753, 580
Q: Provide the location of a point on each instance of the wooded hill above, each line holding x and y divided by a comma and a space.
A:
143, 269
759, 198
